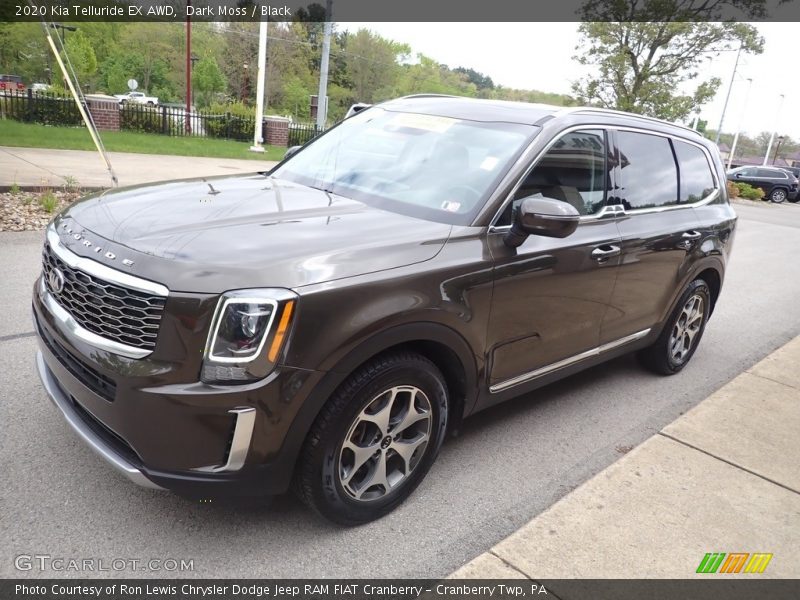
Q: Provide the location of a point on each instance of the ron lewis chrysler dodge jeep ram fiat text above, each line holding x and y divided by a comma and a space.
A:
322, 325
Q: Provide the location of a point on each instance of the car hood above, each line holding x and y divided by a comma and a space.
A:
211, 235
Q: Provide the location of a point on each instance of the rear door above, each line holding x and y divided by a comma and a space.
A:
658, 232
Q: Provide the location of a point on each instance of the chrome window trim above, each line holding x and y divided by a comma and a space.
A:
566, 362
72, 329
605, 212
91, 267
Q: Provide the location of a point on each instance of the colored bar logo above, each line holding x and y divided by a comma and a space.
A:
735, 562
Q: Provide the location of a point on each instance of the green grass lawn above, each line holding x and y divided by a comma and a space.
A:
31, 135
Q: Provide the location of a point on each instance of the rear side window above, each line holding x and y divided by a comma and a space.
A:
648, 172
769, 174
696, 178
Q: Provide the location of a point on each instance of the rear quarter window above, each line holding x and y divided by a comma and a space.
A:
696, 178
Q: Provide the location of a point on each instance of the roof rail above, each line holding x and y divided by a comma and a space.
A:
608, 111
429, 96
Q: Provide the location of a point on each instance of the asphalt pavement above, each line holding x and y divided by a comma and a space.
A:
507, 466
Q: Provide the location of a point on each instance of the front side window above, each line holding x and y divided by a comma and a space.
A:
574, 170
428, 166
649, 177
697, 180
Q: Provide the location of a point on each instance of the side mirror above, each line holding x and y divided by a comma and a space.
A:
542, 216
291, 151
738, 175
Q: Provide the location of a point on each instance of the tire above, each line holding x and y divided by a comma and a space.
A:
665, 356
328, 477
778, 195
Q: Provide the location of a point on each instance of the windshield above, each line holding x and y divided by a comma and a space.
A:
427, 166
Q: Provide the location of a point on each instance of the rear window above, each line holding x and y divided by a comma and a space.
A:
696, 178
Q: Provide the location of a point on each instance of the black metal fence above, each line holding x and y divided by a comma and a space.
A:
301, 133
39, 107
165, 119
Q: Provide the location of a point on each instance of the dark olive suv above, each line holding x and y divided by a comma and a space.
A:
323, 325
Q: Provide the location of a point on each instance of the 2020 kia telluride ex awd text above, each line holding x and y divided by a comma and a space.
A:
324, 324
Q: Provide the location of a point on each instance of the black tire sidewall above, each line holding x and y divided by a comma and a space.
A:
335, 503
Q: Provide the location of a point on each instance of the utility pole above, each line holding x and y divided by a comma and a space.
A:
322, 98
741, 122
262, 75
772, 137
728, 96
188, 118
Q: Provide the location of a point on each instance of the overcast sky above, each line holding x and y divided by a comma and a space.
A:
539, 56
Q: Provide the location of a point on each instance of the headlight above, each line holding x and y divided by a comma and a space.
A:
247, 335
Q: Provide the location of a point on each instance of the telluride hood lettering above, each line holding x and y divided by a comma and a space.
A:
251, 231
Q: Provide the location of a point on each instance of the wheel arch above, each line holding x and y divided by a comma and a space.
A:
440, 344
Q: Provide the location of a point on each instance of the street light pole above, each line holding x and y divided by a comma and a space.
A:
322, 98
772, 137
777, 149
728, 96
188, 118
741, 122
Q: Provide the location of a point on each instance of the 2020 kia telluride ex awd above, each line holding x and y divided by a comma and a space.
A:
325, 323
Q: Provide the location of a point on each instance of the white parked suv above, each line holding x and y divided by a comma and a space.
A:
137, 97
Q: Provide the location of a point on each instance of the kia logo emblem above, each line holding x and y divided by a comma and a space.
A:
55, 280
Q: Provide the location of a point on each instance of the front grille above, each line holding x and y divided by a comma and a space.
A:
112, 311
97, 382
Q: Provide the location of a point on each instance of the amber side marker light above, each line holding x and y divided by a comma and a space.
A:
281, 333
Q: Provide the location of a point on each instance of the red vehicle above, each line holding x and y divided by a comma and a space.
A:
11, 83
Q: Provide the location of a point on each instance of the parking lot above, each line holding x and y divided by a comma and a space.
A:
508, 465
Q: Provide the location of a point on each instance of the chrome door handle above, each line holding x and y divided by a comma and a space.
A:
602, 253
691, 235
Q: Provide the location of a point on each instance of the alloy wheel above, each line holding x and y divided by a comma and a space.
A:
686, 328
385, 443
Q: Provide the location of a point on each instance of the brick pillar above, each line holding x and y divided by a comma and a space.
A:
276, 131
105, 112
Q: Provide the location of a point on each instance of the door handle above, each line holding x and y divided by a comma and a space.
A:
691, 235
603, 253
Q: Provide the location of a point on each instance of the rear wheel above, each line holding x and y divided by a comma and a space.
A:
375, 439
678, 341
778, 195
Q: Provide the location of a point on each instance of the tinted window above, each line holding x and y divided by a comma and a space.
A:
697, 181
649, 175
574, 170
748, 172
769, 173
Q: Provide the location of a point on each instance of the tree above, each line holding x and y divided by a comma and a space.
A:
81, 55
207, 80
643, 52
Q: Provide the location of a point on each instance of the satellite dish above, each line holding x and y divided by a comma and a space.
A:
132, 84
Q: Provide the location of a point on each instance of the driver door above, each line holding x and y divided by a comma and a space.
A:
550, 295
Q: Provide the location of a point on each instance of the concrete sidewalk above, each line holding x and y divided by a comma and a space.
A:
49, 168
724, 477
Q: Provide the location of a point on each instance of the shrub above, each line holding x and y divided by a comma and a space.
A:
230, 121
48, 201
144, 119
733, 189
749, 192
14, 189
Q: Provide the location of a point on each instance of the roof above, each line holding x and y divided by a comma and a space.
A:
525, 113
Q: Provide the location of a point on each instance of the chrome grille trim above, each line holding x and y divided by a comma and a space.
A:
101, 271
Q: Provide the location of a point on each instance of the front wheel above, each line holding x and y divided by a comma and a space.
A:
778, 195
678, 341
375, 439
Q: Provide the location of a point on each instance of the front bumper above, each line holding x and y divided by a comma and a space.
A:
105, 450
157, 424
